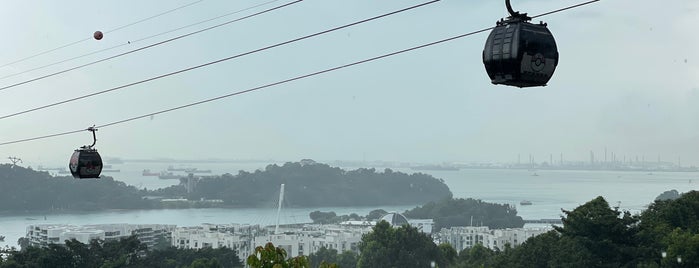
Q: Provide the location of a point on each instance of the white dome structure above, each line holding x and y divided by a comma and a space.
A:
395, 219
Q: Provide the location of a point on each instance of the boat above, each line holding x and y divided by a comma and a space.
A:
172, 168
111, 170
195, 170
147, 172
168, 176
434, 167
525, 203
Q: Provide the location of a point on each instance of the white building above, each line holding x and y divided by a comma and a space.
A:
233, 236
42, 235
398, 220
466, 237
312, 238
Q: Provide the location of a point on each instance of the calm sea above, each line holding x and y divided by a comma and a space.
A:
549, 191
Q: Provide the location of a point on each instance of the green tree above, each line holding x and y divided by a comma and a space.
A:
606, 233
670, 226
323, 255
476, 256
205, 263
275, 257
462, 212
401, 247
449, 255
534, 252
347, 259
376, 214
323, 217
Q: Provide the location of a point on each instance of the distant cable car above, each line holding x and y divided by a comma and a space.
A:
519, 53
98, 35
86, 163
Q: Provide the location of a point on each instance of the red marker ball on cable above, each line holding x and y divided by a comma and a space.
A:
98, 35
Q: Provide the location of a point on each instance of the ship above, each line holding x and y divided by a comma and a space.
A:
434, 167
168, 176
172, 168
111, 170
525, 203
147, 172
195, 170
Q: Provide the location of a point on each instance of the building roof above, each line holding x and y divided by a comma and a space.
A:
395, 219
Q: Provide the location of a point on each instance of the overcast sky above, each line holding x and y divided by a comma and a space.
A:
628, 80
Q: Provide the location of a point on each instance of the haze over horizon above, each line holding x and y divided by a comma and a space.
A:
628, 80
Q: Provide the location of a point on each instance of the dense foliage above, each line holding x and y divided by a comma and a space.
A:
404, 246
319, 185
310, 185
270, 256
327, 257
467, 212
24, 189
128, 252
320, 217
595, 235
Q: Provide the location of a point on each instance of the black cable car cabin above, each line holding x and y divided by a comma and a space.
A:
86, 163
519, 53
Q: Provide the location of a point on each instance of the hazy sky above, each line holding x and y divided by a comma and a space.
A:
628, 79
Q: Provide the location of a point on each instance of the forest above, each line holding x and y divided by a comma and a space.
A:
127, 252
446, 213
307, 185
594, 234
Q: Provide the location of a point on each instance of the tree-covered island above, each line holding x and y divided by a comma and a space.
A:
307, 185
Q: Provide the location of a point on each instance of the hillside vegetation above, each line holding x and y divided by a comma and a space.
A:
312, 185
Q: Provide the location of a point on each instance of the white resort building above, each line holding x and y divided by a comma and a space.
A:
466, 237
298, 240
235, 236
41, 235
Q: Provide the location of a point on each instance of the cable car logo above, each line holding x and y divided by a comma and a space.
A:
74, 162
538, 62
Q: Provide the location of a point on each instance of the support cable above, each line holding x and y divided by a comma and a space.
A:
147, 47
112, 30
130, 42
214, 62
281, 82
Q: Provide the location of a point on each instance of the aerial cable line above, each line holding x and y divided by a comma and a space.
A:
138, 40
281, 82
217, 61
112, 30
148, 46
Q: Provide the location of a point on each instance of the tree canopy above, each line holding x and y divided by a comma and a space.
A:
596, 235
462, 212
321, 185
398, 247
127, 252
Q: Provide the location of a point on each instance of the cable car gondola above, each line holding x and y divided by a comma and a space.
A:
519, 53
86, 163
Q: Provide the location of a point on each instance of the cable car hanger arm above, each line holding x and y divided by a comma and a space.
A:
515, 15
92, 129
